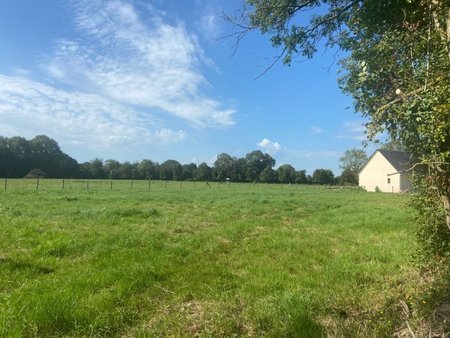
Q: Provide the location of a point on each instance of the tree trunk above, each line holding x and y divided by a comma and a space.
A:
446, 202
448, 36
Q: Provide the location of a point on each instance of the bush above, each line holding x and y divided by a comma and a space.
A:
433, 233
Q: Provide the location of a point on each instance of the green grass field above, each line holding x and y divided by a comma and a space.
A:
181, 260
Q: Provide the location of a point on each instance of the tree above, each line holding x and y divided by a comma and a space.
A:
111, 168
147, 170
323, 176
225, 167
396, 69
203, 172
255, 163
351, 163
18, 156
125, 171
268, 175
353, 160
171, 170
286, 174
7, 158
85, 170
241, 175
189, 171
300, 177
96, 169
47, 155
348, 177
21, 160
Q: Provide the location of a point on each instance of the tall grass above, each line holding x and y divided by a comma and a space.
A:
233, 260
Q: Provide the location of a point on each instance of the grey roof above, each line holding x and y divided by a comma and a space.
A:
400, 160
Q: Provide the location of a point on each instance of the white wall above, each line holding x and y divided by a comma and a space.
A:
375, 174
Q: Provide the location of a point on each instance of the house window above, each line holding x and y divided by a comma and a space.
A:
389, 181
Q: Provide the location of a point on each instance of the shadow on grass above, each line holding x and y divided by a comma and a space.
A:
17, 265
303, 326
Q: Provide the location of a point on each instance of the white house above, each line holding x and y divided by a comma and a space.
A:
387, 170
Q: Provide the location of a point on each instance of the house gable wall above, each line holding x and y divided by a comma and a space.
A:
375, 174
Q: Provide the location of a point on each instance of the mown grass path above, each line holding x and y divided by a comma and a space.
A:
240, 260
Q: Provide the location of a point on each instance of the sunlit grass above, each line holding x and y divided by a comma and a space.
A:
183, 260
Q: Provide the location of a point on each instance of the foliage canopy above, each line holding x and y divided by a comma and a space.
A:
396, 68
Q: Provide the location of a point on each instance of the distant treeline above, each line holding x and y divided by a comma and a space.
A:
42, 157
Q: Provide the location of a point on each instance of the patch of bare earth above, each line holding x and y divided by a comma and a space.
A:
196, 318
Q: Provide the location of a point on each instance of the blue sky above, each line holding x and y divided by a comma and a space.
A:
135, 79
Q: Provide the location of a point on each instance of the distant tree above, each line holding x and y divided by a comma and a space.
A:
147, 170
323, 176
255, 163
203, 172
286, 174
111, 168
19, 156
348, 177
241, 175
96, 169
69, 167
300, 177
7, 158
21, 160
268, 175
353, 160
189, 171
135, 171
46, 154
171, 170
125, 171
351, 163
225, 167
85, 170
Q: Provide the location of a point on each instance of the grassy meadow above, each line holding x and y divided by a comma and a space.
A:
181, 260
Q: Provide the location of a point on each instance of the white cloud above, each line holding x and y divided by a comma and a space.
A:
353, 131
76, 117
152, 66
316, 130
116, 83
269, 146
209, 24
309, 154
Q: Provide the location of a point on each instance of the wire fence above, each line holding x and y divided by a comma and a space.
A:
21, 184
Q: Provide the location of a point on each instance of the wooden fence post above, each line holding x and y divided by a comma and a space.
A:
63, 183
110, 184
149, 182
131, 185
6, 180
87, 184
37, 183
